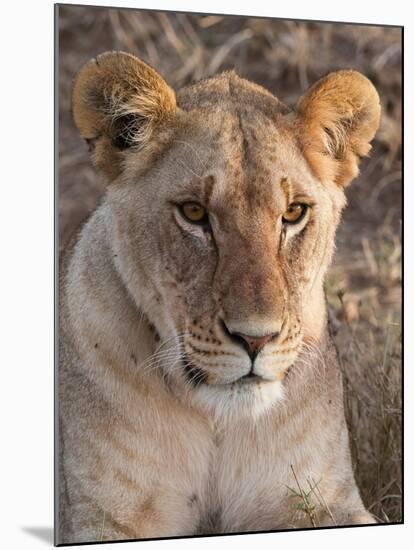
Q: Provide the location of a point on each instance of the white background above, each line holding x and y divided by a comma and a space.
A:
26, 271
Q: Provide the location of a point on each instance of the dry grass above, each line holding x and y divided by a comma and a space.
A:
364, 284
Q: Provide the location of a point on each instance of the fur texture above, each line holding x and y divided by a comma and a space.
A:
161, 432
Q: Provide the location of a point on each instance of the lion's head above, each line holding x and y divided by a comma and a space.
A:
224, 205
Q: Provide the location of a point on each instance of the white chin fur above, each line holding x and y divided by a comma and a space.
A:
238, 400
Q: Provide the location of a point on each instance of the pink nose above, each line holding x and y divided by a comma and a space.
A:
254, 344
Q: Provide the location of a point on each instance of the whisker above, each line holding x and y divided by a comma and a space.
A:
158, 350
183, 165
195, 152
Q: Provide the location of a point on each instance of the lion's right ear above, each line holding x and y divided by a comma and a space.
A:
118, 101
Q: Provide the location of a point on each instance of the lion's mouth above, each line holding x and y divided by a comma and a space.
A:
250, 378
197, 376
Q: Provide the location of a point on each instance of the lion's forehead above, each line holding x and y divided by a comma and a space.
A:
224, 87
247, 153
249, 161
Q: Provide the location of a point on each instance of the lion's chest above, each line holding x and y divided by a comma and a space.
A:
251, 480
254, 473
242, 500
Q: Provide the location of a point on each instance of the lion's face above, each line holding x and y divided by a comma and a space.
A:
223, 232
232, 283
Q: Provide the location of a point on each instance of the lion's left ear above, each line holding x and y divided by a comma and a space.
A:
118, 102
337, 118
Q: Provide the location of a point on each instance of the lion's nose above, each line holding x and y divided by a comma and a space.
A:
252, 344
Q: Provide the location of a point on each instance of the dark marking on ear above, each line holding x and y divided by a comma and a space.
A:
121, 142
91, 144
125, 129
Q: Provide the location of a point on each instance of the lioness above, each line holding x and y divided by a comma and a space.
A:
199, 389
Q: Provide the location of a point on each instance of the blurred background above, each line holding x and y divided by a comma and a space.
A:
364, 282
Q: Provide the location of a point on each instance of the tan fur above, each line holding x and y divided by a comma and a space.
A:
158, 434
339, 116
109, 88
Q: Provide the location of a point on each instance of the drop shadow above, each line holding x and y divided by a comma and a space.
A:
43, 533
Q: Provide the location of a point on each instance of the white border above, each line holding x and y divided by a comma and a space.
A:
26, 286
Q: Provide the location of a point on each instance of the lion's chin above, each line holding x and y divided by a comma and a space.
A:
239, 399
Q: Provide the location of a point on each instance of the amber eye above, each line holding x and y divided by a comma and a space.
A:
194, 213
294, 213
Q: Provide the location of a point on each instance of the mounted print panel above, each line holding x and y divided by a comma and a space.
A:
221, 370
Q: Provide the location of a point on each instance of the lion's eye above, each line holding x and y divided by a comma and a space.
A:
294, 213
194, 213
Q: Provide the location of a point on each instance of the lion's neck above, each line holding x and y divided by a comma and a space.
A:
108, 329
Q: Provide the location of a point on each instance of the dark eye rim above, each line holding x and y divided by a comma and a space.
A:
204, 222
303, 214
